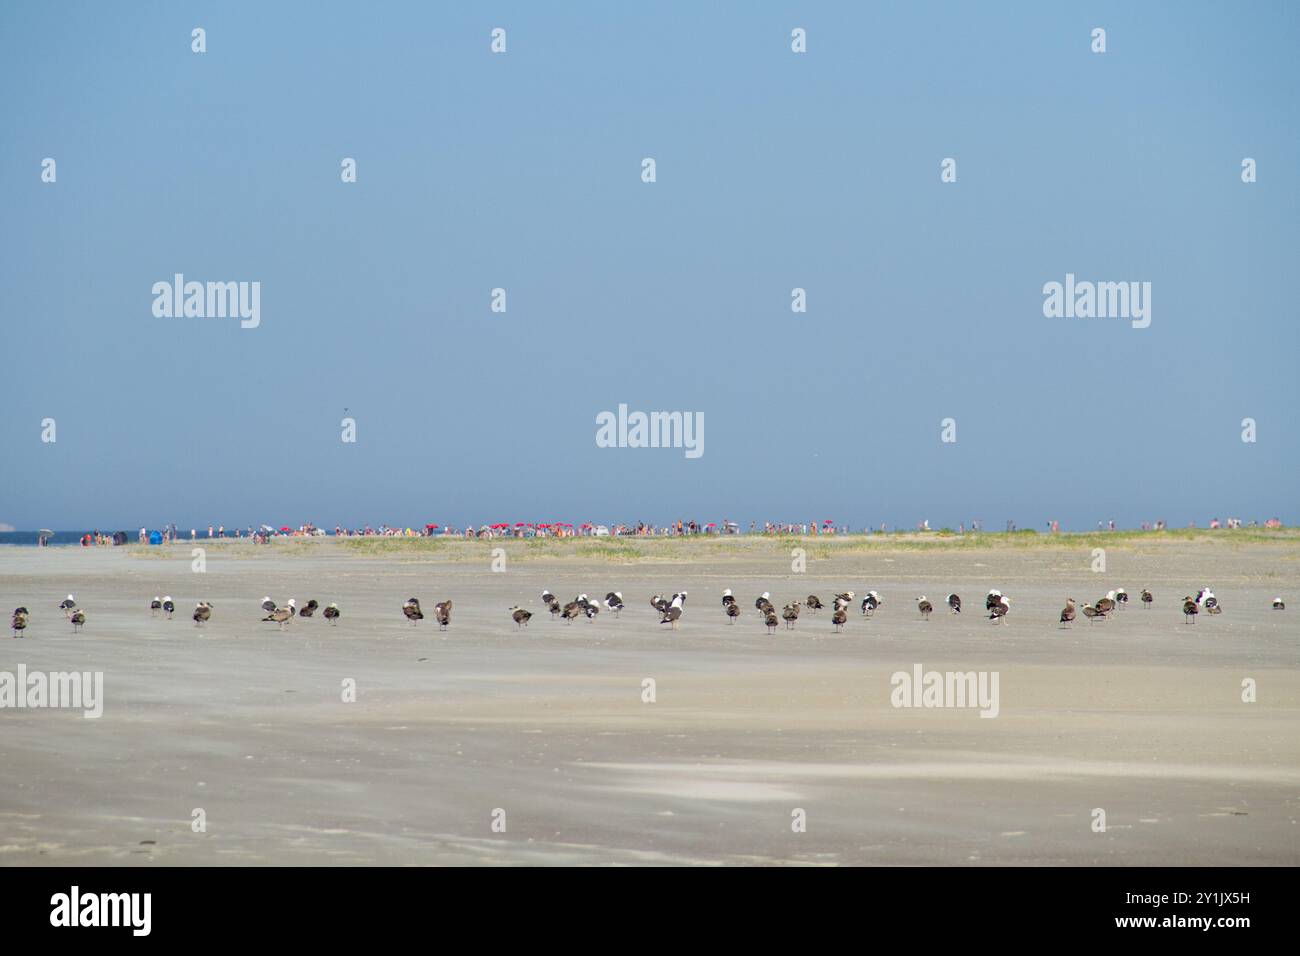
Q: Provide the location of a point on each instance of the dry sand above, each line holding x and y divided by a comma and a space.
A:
1141, 715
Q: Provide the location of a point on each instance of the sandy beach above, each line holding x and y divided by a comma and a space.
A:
1141, 715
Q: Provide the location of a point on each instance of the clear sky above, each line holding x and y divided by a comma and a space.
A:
775, 170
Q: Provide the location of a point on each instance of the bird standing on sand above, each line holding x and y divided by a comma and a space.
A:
267, 604
733, 612
442, 611
925, 607
838, 617
998, 612
870, 603
155, 606
19, 621
331, 613
673, 614
762, 604
281, 615
1279, 604
842, 601
1190, 610
168, 606
412, 611
520, 616
1146, 599
1092, 614
728, 598
591, 610
78, 619
202, 613
991, 599
309, 608
1121, 599
1067, 613
614, 601
1106, 604
790, 614
954, 603
571, 611
67, 606
814, 603
770, 618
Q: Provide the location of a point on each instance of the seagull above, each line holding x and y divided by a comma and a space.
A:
954, 603
591, 610
520, 616
548, 598
168, 606
412, 611
1091, 613
763, 604
1278, 604
309, 608
1146, 599
67, 606
925, 607
728, 599
155, 606
1190, 610
202, 611
733, 612
78, 619
673, 614
442, 611
838, 617
19, 621
571, 610
998, 612
843, 600
1106, 604
267, 604
769, 616
870, 603
992, 599
1121, 598
814, 603
1067, 613
331, 613
790, 614
280, 615
614, 601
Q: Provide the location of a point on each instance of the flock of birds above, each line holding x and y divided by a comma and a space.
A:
670, 609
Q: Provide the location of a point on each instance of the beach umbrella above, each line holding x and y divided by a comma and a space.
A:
285, 529
429, 527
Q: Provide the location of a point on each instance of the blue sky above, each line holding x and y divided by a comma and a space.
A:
522, 171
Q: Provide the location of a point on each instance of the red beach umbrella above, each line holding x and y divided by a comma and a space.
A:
285, 528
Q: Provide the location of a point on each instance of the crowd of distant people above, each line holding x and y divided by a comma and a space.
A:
264, 533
